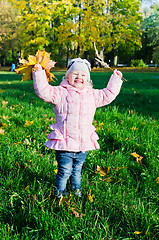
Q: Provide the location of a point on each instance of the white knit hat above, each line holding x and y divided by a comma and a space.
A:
79, 64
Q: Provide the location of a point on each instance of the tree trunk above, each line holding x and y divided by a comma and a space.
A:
115, 60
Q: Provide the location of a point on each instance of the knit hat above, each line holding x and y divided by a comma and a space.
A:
79, 64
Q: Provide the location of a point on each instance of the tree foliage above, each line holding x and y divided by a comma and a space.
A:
8, 31
151, 24
66, 28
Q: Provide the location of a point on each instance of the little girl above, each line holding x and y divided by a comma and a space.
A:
74, 104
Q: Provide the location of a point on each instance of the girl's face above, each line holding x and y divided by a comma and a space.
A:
78, 79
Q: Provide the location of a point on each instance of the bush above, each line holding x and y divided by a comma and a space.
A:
138, 63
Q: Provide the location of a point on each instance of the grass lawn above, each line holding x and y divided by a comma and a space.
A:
121, 191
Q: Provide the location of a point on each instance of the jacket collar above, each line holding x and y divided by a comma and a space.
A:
69, 87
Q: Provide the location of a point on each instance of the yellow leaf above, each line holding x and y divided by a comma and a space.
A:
26, 188
135, 154
28, 123
4, 104
90, 196
32, 60
157, 180
2, 132
43, 58
103, 171
17, 143
4, 125
138, 157
99, 126
137, 232
26, 70
65, 200
134, 128
108, 179
56, 170
118, 168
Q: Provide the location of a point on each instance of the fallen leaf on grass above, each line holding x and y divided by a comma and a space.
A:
103, 171
108, 179
76, 211
138, 157
157, 180
90, 196
41, 57
28, 123
137, 232
65, 200
2, 131
4, 104
17, 143
4, 125
118, 168
56, 170
99, 126
134, 128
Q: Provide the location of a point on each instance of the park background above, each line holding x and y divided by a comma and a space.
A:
120, 181
124, 31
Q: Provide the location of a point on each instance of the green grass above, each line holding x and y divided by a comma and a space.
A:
122, 207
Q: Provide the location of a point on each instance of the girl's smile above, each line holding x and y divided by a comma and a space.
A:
78, 79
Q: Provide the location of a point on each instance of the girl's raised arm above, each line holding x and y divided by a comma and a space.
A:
43, 89
108, 94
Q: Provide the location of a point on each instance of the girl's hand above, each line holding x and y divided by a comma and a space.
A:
37, 67
116, 72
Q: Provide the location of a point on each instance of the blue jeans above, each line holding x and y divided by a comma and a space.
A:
69, 166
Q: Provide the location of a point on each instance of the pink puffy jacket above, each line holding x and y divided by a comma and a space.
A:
74, 110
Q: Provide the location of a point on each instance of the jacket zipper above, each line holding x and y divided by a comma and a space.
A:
80, 111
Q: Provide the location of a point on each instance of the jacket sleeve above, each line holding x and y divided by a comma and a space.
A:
108, 94
44, 90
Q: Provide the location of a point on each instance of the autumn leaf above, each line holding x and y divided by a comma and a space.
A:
56, 170
28, 123
4, 104
41, 57
138, 157
157, 180
65, 200
137, 232
118, 168
2, 131
4, 125
75, 210
17, 143
134, 128
99, 126
90, 196
108, 179
103, 171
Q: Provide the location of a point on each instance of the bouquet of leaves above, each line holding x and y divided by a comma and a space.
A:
41, 57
